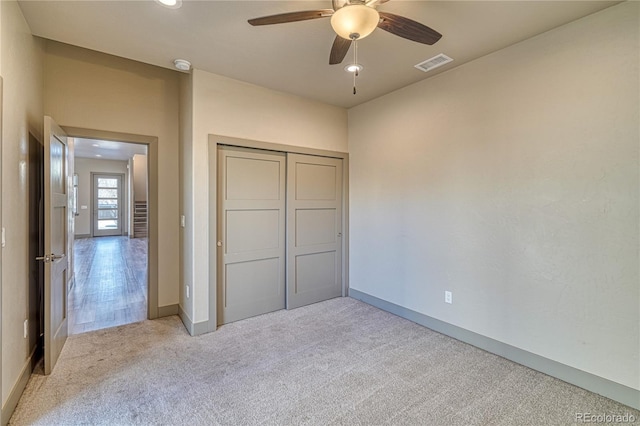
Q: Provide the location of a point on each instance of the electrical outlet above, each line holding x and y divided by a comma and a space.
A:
186, 290
448, 297
26, 328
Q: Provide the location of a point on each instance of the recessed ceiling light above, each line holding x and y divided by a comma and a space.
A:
171, 4
182, 64
98, 155
353, 68
96, 145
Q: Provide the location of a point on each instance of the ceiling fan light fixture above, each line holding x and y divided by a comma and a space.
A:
353, 68
171, 4
355, 21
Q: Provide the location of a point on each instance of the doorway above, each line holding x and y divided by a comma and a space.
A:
107, 204
110, 261
36, 246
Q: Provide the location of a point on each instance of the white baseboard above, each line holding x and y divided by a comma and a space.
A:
17, 390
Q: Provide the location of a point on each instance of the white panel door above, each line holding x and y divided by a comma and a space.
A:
314, 229
56, 210
251, 232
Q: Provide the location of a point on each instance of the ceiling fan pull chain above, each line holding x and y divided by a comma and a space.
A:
354, 82
355, 62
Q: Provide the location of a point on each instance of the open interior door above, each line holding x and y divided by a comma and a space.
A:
55, 257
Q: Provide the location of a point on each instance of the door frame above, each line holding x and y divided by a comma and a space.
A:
11, 404
152, 212
121, 200
214, 141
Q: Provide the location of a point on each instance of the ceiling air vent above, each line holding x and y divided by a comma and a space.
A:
434, 62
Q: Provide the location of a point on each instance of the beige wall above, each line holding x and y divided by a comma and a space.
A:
92, 90
512, 181
2, 36
229, 107
140, 177
83, 168
22, 61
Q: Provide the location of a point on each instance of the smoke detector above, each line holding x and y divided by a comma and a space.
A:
182, 64
435, 62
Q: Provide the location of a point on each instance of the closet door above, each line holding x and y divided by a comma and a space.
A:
314, 229
251, 232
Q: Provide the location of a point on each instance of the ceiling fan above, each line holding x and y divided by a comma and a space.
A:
354, 20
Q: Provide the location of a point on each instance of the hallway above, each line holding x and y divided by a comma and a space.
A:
110, 286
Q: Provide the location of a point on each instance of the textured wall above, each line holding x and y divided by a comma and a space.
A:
22, 59
140, 177
512, 181
97, 91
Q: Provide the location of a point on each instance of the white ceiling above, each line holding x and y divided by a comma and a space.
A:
106, 150
293, 57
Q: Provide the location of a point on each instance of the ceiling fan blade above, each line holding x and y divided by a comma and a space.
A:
407, 28
281, 18
339, 50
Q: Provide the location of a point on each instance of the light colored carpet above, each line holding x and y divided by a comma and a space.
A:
336, 362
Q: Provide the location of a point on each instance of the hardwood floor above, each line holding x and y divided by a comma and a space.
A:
110, 286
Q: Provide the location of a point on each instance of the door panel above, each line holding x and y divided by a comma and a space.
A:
56, 210
251, 228
315, 181
240, 288
314, 241
315, 226
315, 271
263, 183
